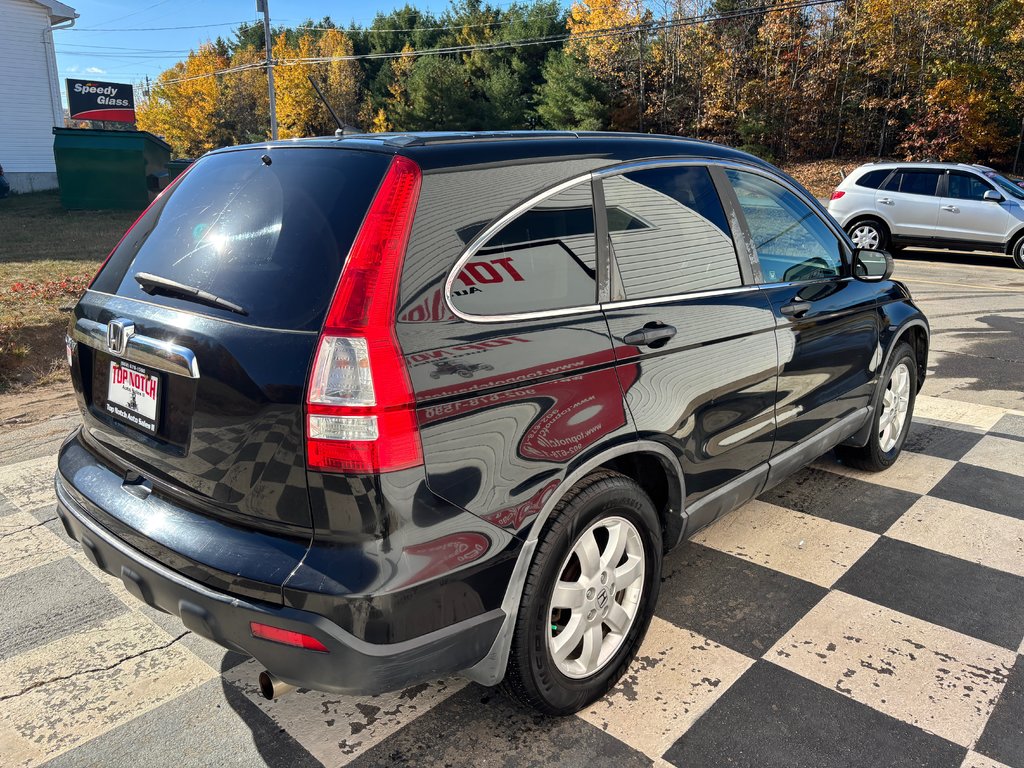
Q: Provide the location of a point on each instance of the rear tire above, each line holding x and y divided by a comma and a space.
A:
869, 233
602, 533
893, 412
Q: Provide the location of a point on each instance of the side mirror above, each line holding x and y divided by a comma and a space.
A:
993, 196
872, 266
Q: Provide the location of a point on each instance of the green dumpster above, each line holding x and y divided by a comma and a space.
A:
176, 167
99, 169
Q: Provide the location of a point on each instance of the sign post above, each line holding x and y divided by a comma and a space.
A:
93, 100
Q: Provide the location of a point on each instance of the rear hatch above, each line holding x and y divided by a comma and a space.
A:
199, 330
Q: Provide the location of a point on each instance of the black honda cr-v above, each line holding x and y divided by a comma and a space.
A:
381, 408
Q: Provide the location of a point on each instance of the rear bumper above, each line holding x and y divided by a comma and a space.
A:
351, 665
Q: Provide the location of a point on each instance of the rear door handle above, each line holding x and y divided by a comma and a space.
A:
795, 308
651, 335
951, 208
885, 200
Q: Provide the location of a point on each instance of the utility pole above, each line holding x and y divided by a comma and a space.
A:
263, 6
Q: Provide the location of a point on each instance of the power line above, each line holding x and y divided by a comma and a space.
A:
620, 31
450, 27
101, 55
160, 29
120, 48
626, 29
133, 13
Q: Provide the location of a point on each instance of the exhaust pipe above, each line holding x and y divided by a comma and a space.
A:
272, 688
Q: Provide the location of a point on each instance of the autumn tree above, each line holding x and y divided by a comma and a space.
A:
185, 103
884, 78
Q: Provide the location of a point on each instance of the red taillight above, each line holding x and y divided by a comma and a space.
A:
360, 407
286, 637
128, 231
837, 194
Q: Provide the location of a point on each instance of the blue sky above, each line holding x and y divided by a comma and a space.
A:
91, 50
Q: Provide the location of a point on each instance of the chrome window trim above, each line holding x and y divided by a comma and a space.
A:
143, 350
488, 232
691, 295
478, 242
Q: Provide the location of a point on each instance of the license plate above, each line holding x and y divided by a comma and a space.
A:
133, 395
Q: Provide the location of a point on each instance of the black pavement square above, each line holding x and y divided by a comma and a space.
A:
480, 726
75, 600
1003, 738
941, 442
983, 488
969, 598
772, 717
736, 603
845, 500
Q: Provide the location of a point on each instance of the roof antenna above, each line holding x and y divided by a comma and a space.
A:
340, 131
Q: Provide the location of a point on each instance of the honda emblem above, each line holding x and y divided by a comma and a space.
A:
118, 333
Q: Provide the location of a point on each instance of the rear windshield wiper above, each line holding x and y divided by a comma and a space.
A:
154, 284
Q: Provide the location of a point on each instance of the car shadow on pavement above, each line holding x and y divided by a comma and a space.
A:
988, 357
964, 258
274, 744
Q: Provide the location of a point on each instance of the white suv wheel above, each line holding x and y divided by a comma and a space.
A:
1018, 253
866, 235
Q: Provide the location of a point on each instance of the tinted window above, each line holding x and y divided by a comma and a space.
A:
792, 242
677, 240
914, 182
967, 186
1005, 185
873, 179
544, 259
270, 238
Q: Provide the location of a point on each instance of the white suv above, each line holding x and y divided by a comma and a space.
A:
937, 205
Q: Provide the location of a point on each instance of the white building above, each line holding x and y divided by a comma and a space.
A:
30, 91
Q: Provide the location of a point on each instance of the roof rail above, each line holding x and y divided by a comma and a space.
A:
444, 137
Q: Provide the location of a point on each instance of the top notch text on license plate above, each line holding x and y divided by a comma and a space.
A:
133, 395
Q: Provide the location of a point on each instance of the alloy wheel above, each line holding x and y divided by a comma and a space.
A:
895, 403
597, 597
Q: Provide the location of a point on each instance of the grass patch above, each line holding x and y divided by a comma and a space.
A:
47, 257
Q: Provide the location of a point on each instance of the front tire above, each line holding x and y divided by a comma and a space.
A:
893, 412
1018, 254
588, 598
869, 233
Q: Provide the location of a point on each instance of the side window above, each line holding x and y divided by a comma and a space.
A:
967, 186
792, 242
914, 182
669, 232
873, 179
543, 259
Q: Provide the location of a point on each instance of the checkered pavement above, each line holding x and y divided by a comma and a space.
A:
843, 619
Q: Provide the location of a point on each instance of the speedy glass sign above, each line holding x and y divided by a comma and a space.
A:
93, 100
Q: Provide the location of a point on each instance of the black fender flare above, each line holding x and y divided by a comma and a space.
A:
491, 669
860, 438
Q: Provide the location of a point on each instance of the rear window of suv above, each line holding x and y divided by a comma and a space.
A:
873, 179
270, 237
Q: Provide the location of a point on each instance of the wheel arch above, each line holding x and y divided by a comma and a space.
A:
643, 458
1015, 238
916, 332
873, 216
